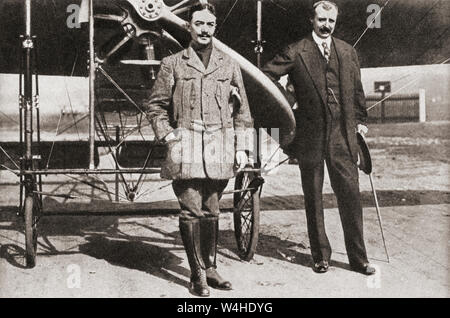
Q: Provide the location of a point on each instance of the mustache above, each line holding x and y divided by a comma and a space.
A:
325, 29
204, 34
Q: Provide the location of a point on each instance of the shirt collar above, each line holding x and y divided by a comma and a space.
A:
319, 40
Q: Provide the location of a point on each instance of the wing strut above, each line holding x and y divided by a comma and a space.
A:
92, 69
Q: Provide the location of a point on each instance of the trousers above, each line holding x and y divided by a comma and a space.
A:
344, 179
199, 197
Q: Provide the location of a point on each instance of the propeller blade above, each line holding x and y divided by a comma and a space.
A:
168, 37
255, 73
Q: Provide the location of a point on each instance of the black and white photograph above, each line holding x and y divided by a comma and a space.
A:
229, 150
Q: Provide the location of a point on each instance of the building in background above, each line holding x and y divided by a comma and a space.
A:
405, 85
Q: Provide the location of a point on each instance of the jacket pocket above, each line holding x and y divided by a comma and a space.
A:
222, 92
189, 94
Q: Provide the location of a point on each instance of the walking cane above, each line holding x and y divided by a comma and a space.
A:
378, 214
365, 165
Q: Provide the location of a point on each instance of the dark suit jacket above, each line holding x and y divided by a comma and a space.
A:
301, 61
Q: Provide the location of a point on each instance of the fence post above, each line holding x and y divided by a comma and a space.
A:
422, 106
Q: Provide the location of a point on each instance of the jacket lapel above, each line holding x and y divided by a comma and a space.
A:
311, 59
193, 60
215, 61
344, 58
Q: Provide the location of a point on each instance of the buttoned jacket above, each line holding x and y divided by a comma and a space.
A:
301, 60
206, 108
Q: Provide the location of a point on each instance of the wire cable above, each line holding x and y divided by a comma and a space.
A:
370, 24
226, 17
404, 86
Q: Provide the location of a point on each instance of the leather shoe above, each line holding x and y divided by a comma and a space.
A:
199, 289
366, 269
216, 281
321, 267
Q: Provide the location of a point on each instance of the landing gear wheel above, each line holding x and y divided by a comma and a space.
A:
246, 213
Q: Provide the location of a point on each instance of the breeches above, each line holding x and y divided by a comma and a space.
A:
199, 197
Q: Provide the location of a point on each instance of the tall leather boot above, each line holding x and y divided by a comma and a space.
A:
190, 234
209, 233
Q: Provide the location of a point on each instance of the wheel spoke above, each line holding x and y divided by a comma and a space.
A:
245, 217
148, 191
248, 224
245, 202
246, 241
248, 221
245, 222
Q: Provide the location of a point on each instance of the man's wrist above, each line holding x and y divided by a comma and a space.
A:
169, 137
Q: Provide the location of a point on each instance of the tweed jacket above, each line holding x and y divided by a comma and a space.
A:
206, 109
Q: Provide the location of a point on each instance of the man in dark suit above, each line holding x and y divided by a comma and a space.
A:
331, 107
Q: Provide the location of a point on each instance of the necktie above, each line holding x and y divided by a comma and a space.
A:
326, 51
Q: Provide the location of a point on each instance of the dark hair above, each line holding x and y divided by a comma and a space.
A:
201, 6
327, 5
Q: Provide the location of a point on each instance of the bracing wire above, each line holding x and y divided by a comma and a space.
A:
9, 157
68, 96
93, 185
226, 16
412, 30
279, 5
9, 118
54, 140
370, 24
403, 87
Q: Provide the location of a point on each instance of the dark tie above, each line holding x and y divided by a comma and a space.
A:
326, 51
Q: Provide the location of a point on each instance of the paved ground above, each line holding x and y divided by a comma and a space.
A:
142, 256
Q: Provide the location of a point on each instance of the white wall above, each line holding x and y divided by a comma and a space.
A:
409, 79
56, 93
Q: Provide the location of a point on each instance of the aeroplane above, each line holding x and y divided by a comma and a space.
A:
124, 37
123, 43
